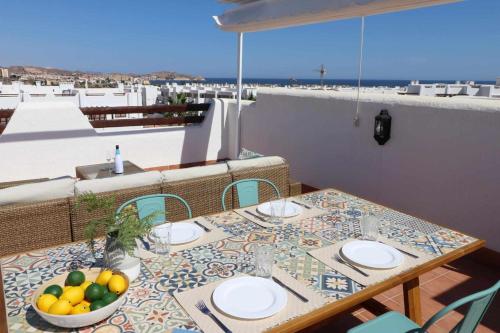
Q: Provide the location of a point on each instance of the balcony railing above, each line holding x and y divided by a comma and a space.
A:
99, 117
182, 114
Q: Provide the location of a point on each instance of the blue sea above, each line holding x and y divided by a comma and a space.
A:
337, 82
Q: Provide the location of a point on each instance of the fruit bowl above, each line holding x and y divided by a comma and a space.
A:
84, 319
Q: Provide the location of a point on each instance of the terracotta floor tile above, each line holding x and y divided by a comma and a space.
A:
439, 286
393, 292
380, 298
458, 276
450, 320
394, 306
431, 275
438, 329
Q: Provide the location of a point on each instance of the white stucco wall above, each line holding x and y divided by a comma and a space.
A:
441, 164
50, 139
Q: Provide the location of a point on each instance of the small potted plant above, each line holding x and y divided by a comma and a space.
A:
121, 231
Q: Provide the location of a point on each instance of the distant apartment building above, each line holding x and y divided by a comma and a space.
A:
468, 88
124, 95
4, 72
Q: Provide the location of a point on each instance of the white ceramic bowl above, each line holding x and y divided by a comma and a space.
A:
84, 319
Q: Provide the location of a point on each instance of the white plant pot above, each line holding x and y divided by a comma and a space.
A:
116, 258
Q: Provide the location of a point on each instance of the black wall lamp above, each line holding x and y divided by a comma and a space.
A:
382, 127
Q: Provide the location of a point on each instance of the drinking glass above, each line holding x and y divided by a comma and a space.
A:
264, 260
277, 208
109, 158
369, 226
161, 236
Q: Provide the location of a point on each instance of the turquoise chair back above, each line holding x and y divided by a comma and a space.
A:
154, 204
395, 322
248, 191
479, 303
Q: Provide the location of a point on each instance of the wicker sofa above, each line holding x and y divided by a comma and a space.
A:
28, 225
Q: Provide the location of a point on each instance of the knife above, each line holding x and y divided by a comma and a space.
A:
302, 298
255, 215
201, 226
301, 204
402, 251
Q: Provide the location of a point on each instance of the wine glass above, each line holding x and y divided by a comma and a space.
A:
109, 158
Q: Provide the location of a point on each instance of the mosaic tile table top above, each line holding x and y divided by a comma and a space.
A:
150, 305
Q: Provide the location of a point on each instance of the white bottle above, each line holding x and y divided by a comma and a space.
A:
118, 161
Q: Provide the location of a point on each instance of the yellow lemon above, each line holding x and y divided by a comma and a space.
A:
117, 284
45, 301
61, 307
85, 285
66, 288
85, 302
74, 295
80, 308
104, 277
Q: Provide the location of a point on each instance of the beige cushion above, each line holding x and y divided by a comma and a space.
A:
194, 172
259, 162
118, 182
35, 192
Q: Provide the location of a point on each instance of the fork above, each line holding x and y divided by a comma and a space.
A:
342, 261
205, 310
255, 215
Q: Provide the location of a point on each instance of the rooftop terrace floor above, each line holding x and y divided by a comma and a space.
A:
438, 288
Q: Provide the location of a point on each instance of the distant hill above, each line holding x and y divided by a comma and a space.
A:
40, 71
34, 70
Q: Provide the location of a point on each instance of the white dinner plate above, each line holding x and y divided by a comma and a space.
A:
249, 297
372, 254
182, 232
291, 209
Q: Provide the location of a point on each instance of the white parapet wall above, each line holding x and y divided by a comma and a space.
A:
442, 162
49, 139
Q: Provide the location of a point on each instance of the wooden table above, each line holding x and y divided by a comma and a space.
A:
151, 306
105, 170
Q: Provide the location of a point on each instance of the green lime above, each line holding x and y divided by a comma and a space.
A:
75, 278
97, 305
94, 292
109, 298
54, 290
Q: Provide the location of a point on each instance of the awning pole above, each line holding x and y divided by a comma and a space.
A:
239, 86
360, 69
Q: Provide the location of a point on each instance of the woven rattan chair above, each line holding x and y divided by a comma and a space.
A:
202, 193
80, 216
247, 191
154, 203
31, 226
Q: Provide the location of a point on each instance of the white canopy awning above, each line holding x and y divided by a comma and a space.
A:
258, 15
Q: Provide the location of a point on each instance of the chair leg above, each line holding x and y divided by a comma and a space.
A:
411, 291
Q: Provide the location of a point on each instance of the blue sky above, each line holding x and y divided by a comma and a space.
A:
457, 41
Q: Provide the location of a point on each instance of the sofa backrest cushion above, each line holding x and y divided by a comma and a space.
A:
36, 192
258, 162
118, 183
194, 172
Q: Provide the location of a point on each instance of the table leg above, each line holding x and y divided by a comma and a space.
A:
411, 292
